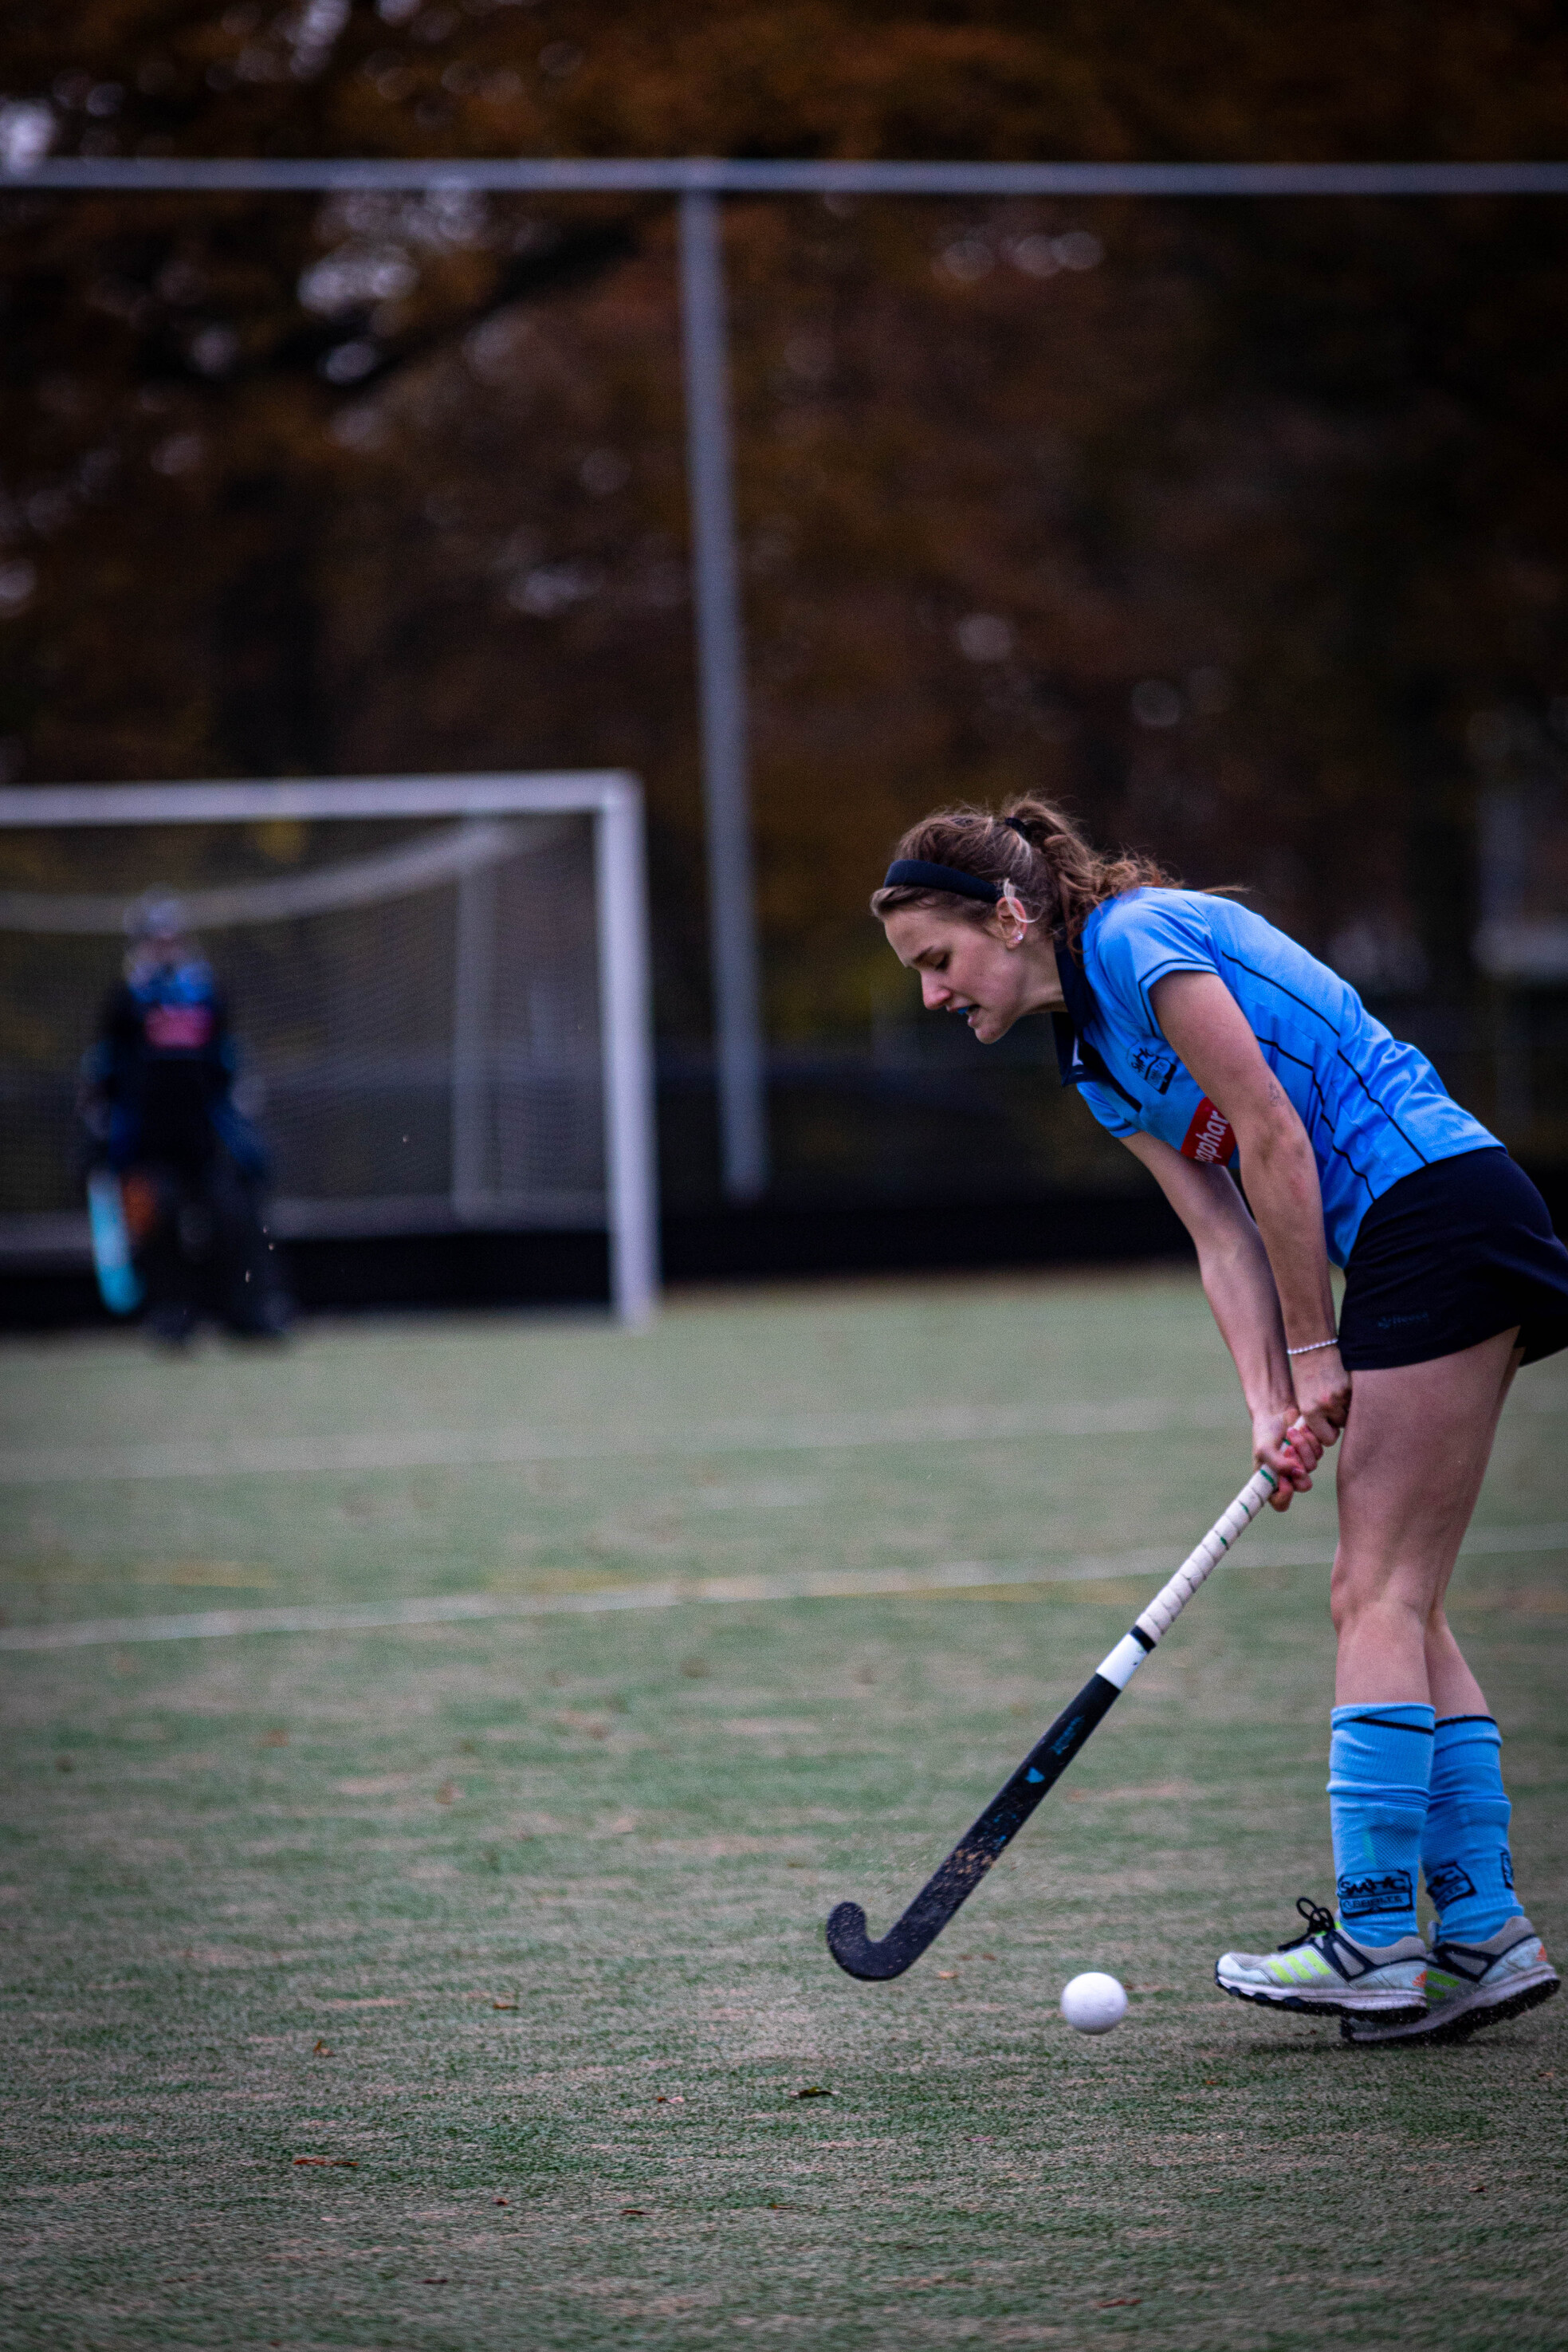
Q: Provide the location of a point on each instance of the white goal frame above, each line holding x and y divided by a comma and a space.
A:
611, 797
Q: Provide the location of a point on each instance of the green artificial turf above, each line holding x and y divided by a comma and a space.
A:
513, 1926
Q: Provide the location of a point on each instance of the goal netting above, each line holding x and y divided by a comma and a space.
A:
437, 987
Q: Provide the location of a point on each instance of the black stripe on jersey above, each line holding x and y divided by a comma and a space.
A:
1340, 1055
1324, 1118
1273, 1046
1269, 981
1387, 1114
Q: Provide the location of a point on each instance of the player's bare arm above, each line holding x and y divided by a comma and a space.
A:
1240, 1286
1209, 1029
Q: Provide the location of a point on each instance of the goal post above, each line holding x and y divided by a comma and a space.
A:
439, 985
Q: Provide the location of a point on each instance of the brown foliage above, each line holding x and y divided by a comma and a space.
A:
1224, 537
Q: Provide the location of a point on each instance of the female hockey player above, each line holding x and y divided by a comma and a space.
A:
1208, 1040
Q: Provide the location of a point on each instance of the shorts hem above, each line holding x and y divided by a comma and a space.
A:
1449, 1258
1545, 1336
1392, 1355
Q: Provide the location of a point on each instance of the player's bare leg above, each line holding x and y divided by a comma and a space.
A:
1412, 1459
1414, 1453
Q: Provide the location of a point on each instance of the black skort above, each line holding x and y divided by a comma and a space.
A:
1450, 1255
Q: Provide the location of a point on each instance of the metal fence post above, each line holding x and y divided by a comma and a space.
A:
732, 911
473, 1083
625, 1018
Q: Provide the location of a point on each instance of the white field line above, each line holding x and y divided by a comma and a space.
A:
823, 1584
419, 1449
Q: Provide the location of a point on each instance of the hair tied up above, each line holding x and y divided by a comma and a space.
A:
1033, 851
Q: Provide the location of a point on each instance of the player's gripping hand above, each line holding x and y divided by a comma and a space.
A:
1283, 1442
1323, 1394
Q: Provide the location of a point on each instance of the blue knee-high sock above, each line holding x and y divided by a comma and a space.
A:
1380, 1764
1464, 1849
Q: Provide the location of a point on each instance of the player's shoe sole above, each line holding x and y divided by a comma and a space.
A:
1384, 2005
1514, 1979
1326, 1973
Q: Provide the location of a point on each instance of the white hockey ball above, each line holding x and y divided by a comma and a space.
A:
1093, 2003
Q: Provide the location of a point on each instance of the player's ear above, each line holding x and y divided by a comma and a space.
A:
1012, 923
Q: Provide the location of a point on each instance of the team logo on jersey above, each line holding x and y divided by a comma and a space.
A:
1211, 1138
1155, 1069
179, 1028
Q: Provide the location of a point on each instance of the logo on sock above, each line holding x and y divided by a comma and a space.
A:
1386, 1890
1449, 1884
1505, 1861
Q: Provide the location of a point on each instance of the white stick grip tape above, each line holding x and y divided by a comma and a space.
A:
1167, 1605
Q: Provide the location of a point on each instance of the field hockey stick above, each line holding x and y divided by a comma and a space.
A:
120, 1285
1008, 1809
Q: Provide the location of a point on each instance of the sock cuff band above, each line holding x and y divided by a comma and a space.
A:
1398, 1717
1447, 1722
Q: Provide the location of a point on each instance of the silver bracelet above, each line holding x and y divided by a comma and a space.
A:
1312, 1347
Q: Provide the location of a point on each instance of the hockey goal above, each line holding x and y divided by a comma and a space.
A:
438, 984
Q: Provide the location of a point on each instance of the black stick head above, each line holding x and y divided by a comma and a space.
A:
857, 1955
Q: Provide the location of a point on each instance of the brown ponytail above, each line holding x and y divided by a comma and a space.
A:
1055, 870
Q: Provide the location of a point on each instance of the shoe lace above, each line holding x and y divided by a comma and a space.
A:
1319, 1921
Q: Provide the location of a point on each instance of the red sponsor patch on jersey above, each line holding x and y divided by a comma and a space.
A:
179, 1028
1211, 1138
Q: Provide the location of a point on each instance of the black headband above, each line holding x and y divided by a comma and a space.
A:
918, 874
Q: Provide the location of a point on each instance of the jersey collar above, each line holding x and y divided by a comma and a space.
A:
1076, 1059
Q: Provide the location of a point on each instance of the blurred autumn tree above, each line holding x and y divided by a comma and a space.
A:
1240, 525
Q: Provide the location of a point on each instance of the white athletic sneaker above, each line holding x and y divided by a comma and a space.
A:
1324, 1973
1472, 1985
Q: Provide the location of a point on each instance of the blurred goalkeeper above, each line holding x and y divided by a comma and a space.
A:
177, 1183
